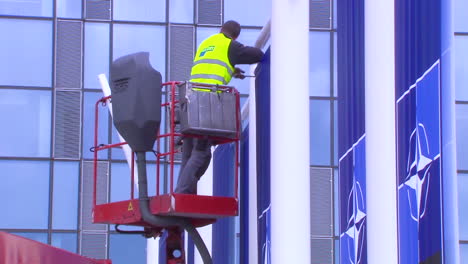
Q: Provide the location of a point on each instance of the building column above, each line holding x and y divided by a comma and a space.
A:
380, 132
290, 136
449, 154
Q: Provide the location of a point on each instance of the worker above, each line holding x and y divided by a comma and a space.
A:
214, 63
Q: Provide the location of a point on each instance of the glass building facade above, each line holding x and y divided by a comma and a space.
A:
50, 55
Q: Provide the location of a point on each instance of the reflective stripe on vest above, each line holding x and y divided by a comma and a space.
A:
211, 63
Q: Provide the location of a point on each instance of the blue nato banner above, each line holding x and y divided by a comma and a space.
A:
418, 130
351, 133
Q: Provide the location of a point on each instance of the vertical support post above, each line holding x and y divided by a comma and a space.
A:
290, 148
380, 131
253, 218
175, 247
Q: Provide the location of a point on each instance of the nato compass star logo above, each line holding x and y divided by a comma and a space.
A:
353, 238
418, 175
416, 184
356, 227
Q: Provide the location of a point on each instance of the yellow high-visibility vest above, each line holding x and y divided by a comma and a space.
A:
211, 64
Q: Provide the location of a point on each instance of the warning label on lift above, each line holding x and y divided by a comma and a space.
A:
130, 207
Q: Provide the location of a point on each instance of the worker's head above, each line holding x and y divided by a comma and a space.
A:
231, 29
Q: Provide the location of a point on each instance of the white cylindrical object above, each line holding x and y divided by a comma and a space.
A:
380, 132
205, 187
253, 218
152, 251
290, 137
449, 155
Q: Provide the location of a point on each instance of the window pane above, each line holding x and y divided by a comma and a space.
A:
65, 195
248, 13
120, 182
66, 241
461, 67
25, 185
205, 32
336, 203
90, 99
319, 64
335, 17
181, 11
335, 133
22, 63
463, 253
137, 38
28, 115
26, 8
248, 38
96, 59
69, 8
125, 249
335, 64
460, 19
319, 132
151, 171
463, 205
40, 237
462, 140
141, 10
336, 251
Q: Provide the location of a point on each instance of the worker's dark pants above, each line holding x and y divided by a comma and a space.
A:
196, 156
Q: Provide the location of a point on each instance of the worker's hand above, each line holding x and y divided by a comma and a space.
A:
238, 73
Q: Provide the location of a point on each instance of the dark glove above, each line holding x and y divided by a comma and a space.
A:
238, 73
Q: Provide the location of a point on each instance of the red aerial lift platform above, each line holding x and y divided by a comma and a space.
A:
201, 210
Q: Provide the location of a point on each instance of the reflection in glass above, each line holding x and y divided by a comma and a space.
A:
319, 132
65, 195
120, 182
39, 237
26, 58
28, 115
461, 67
336, 204
462, 140
463, 253
141, 10
181, 11
41, 8
90, 99
335, 64
124, 249
96, 49
25, 185
460, 19
129, 39
463, 205
66, 241
319, 63
69, 8
205, 32
248, 13
335, 133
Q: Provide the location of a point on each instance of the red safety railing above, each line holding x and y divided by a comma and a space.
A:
171, 103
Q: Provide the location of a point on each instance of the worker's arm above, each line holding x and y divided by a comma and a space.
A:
240, 54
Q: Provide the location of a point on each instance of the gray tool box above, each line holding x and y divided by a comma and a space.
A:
211, 112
